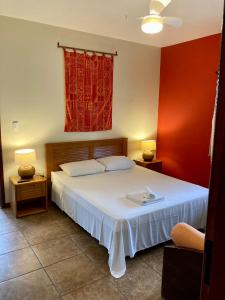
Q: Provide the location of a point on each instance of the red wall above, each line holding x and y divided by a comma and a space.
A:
186, 102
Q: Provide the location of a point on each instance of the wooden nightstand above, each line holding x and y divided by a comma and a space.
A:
29, 197
155, 165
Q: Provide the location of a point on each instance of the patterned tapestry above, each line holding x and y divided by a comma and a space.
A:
89, 86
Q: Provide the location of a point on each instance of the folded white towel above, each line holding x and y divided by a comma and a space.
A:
144, 198
149, 191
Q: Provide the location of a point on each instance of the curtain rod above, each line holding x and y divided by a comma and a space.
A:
87, 50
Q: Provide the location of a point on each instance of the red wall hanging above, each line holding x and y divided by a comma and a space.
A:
89, 87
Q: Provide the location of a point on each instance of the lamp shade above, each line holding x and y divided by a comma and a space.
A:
25, 156
148, 145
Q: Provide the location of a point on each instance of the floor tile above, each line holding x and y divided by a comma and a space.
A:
68, 221
28, 222
44, 220
74, 261
8, 225
102, 289
56, 250
49, 216
73, 273
156, 263
154, 259
97, 253
84, 240
139, 282
17, 263
6, 213
38, 233
12, 241
32, 286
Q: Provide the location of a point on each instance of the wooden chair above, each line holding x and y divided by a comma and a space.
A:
182, 264
181, 275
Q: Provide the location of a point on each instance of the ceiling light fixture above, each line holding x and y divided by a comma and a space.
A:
152, 25
154, 22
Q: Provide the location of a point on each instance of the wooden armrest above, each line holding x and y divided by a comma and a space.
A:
183, 249
181, 275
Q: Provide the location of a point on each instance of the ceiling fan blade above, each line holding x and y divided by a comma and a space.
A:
175, 22
141, 18
157, 6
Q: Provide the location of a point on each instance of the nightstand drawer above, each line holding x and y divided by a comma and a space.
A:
32, 190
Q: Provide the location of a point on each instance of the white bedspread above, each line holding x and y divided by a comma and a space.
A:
98, 203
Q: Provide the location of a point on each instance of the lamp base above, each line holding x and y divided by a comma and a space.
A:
26, 171
148, 156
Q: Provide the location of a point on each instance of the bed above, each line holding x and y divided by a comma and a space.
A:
99, 204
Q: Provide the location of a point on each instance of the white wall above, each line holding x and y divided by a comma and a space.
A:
32, 88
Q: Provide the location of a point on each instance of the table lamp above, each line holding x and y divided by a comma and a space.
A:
147, 147
24, 158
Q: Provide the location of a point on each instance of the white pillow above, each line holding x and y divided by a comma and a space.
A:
83, 167
113, 163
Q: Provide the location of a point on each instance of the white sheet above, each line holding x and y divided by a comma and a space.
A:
98, 203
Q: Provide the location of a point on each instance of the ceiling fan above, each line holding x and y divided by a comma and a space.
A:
153, 23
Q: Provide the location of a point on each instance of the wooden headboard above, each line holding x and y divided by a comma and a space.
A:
59, 153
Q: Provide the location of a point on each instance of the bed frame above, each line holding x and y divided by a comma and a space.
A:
64, 152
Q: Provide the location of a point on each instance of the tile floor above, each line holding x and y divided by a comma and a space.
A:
48, 256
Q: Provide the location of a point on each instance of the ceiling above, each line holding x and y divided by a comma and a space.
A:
119, 18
